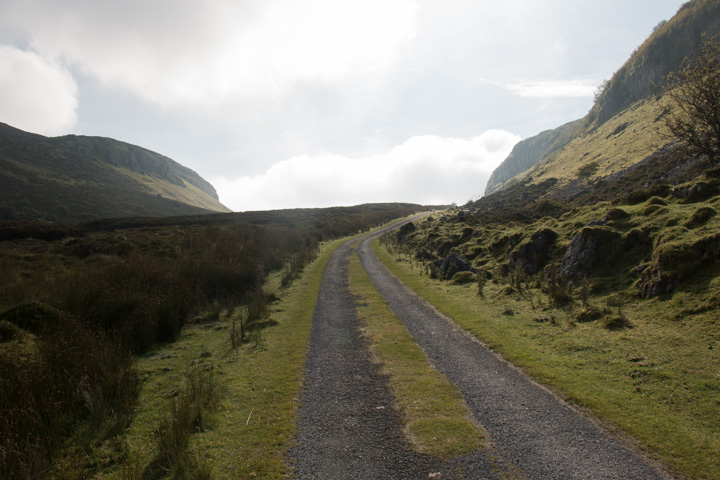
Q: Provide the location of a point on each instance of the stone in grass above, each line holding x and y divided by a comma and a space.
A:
462, 278
586, 251
453, 263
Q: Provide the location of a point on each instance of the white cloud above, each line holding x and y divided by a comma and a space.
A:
36, 94
205, 54
548, 88
424, 169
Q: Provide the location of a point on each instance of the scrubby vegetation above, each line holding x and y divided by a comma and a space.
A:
78, 302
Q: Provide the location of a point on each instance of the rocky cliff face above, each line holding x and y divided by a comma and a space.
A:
642, 76
662, 53
136, 159
530, 151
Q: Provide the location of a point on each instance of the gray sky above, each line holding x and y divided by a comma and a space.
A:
314, 103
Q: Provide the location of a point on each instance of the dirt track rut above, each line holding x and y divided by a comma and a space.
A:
348, 428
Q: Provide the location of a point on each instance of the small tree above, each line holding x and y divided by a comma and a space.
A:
587, 171
695, 91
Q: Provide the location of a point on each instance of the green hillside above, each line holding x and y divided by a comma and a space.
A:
625, 126
81, 178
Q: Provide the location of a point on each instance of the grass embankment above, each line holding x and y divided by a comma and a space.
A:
249, 432
658, 381
436, 417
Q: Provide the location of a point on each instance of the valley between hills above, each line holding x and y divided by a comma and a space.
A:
146, 332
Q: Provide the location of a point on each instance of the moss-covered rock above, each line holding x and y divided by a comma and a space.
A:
701, 216
462, 278
531, 256
587, 249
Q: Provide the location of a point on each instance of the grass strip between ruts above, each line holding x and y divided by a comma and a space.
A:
437, 419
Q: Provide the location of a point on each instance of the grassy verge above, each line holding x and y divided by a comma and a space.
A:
436, 417
658, 381
254, 422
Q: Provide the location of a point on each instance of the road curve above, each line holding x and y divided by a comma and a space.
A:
529, 427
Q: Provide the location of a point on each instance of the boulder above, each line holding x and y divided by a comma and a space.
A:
467, 233
405, 230
597, 223
532, 255
452, 264
657, 287
615, 214
698, 191
422, 254
587, 249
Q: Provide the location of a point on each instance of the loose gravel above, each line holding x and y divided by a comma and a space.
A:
529, 426
348, 428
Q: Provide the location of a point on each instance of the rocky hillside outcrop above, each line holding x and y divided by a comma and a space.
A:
662, 53
640, 79
528, 152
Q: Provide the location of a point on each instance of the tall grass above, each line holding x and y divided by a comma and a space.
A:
188, 413
75, 383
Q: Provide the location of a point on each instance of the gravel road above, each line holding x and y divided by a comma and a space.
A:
348, 428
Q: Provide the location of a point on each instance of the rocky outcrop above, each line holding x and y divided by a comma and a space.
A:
137, 159
404, 231
654, 283
676, 262
587, 249
452, 264
529, 152
532, 255
694, 193
642, 76
612, 215
663, 52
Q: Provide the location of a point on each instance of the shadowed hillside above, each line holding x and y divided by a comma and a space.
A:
526, 153
81, 178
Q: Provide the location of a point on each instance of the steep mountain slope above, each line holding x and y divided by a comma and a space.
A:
663, 52
640, 79
77, 177
526, 153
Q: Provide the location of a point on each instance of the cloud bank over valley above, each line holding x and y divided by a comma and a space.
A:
253, 93
426, 169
